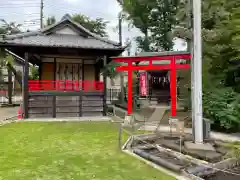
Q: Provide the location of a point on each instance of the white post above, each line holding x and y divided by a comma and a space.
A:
197, 73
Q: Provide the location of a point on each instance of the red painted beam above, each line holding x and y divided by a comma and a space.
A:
152, 67
130, 89
152, 58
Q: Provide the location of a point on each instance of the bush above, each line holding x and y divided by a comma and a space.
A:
223, 107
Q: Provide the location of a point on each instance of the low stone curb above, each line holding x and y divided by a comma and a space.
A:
82, 119
8, 120
213, 135
166, 171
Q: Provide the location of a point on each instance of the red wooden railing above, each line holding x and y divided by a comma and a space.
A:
64, 85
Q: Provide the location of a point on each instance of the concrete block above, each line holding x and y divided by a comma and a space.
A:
192, 146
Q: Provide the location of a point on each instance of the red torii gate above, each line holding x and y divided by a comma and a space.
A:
172, 66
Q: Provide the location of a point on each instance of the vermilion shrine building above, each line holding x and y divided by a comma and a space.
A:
69, 58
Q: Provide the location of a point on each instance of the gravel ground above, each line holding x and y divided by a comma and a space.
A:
234, 174
169, 158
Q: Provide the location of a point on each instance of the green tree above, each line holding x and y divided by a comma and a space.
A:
34, 73
110, 70
220, 59
137, 14
155, 19
162, 22
97, 26
50, 20
6, 29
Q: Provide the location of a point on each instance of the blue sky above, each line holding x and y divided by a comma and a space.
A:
27, 12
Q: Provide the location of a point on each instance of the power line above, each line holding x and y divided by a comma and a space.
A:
11, 13
62, 9
33, 19
22, 6
17, 4
60, 5
15, 15
31, 25
22, 1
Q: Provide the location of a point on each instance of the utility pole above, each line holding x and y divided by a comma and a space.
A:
197, 73
120, 28
41, 14
120, 42
129, 47
189, 40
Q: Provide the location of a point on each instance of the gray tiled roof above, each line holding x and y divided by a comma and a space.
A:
47, 38
60, 40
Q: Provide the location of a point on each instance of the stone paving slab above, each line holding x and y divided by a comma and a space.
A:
214, 135
8, 112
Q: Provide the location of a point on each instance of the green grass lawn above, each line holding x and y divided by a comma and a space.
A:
67, 151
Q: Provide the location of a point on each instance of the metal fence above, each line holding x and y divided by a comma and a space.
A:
16, 96
112, 95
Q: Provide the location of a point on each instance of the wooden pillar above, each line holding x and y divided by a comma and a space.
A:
97, 71
25, 86
173, 87
130, 98
83, 71
122, 93
80, 104
40, 70
54, 70
10, 86
105, 88
54, 96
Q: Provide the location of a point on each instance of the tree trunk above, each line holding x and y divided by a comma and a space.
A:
17, 76
146, 41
